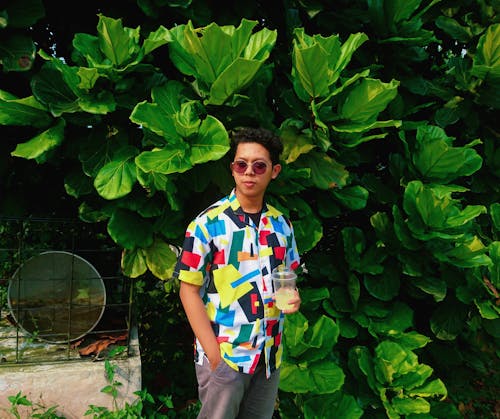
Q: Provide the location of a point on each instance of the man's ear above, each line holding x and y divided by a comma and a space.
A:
276, 171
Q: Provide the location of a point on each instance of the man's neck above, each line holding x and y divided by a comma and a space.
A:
250, 205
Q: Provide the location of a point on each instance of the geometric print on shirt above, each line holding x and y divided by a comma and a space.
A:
231, 259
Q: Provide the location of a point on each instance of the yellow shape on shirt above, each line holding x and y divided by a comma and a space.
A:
224, 279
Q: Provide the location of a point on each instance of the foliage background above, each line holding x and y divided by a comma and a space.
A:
119, 112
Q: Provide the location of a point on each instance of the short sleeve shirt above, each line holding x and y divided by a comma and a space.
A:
231, 259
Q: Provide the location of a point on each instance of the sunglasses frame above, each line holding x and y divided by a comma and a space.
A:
237, 166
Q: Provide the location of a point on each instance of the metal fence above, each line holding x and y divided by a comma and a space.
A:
62, 294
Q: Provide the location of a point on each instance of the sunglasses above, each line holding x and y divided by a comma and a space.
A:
240, 166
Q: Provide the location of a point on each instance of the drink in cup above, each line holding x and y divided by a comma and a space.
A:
284, 280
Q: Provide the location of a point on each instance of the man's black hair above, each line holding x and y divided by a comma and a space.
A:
264, 137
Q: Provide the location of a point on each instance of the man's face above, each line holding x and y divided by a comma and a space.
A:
252, 182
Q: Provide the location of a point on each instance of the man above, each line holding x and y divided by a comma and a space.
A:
226, 290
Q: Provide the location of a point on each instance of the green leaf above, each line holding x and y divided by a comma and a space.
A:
117, 178
77, 184
438, 161
431, 389
348, 48
308, 232
322, 377
454, 29
385, 286
170, 159
494, 268
344, 406
156, 39
133, 262
352, 197
211, 143
23, 112
398, 319
235, 77
448, 320
55, 89
494, 212
326, 173
161, 259
367, 99
486, 62
130, 230
406, 405
223, 59
42, 143
311, 69
152, 117
116, 42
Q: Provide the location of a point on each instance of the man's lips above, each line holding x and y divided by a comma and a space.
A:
249, 184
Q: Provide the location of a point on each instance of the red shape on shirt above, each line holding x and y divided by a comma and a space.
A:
269, 327
219, 258
253, 302
263, 236
190, 259
279, 252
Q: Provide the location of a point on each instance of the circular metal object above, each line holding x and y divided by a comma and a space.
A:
56, 296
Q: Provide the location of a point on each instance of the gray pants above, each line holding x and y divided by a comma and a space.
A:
229, 394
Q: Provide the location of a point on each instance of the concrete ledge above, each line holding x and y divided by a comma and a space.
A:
72, 386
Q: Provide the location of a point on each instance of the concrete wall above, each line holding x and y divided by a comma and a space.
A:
72, 386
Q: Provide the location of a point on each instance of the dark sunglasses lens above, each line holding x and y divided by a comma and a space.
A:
259, 167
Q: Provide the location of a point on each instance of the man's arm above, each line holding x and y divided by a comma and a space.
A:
199, 321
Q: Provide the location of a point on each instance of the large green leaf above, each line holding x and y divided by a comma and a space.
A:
308, 232
152, 117
437, 160
384, 286
435, 214
344, 406
211, 143
311, 69
367, 99
326, 173
406, 405
448, 320
487, 58
116, 42
235, 77
170, 159
161, 259
321, 377
130, 231
22, 112
116, 178
352, 197
44, 142
223, 59
133, 262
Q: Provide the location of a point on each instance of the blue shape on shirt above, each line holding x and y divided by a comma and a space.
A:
199, 234
216, 228
277, 226
245, 278
225, 318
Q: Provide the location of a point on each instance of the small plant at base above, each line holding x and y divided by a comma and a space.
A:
37, 411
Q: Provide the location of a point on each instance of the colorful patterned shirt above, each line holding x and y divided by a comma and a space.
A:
231, 258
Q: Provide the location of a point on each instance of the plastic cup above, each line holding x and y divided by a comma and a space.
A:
284, 281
